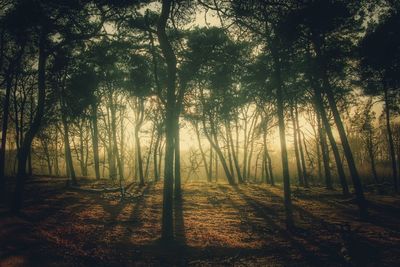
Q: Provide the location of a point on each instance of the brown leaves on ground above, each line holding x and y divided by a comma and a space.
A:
215, 224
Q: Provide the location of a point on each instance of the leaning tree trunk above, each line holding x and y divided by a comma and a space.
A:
35, 126
362, 204
321, 110
203, 155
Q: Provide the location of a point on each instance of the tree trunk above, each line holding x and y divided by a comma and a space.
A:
178, 191
215, 144
321, 110
6, 115
203, 155
303, 161
167, 228
296, 149
390, 138
362, 205
95, 141
325, 154
68, 156
34, 128
282, 137
155, 164
146, 172
234, 153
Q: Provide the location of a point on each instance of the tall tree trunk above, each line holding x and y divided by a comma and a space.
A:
115, 146
56, 166
34, 128
146, 172
81, 150
371, 155
177, 188
203, 155
282, 136
303, 161
215, 144
390, 138
95, 141
167, 228
269, 169
265, 172
321, 110
155, 164
68, 155
362, 205
4, 128
234, 153
325, 155
138, 124
296, 148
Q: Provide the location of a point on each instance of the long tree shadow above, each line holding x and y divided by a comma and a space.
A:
363, 252
299, 237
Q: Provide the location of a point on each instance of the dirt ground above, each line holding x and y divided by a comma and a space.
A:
216, 225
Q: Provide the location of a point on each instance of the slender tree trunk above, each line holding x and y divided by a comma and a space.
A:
81, 150
215, 144
282, 137
68, 155
325, 155
6, 115
335, 150
146, 172
234, 154
95, 141
271, 174
177, 188
34, 128
115, 146
362, 205
203, 155
390, 138
371, 155
155, 163
303, 161
296, 149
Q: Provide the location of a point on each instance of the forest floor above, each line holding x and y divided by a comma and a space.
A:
216, 225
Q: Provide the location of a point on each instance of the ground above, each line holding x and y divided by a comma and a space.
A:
216, 225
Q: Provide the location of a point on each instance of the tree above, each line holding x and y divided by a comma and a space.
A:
379, 65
